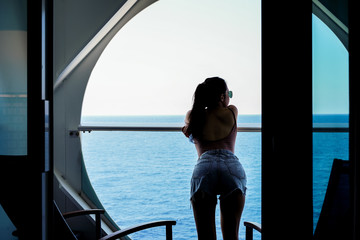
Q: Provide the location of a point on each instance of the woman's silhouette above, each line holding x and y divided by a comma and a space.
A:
211, 126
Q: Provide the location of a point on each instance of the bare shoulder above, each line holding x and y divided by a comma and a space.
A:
234, 109
187, 117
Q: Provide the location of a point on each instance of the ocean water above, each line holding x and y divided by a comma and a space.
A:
145, 176
326, 147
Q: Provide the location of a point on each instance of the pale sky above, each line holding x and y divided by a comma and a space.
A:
154, 63
330, 71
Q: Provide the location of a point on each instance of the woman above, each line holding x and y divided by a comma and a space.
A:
211, 126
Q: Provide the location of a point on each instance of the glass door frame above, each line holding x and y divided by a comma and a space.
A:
287, 119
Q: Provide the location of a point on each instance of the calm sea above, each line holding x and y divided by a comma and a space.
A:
145, 176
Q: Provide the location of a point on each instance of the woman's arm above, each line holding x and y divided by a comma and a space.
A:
187, 121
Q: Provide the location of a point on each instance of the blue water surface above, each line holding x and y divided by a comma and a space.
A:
145, 176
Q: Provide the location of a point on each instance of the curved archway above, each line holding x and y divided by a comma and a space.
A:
72, 70
193, 43
335, 20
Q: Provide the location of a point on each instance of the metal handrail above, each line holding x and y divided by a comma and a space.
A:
178, 129
150, 128
331, 129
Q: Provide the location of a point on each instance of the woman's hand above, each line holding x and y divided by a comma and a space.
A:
187, 120
184, 130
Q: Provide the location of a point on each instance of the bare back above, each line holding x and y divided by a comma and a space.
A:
219, 123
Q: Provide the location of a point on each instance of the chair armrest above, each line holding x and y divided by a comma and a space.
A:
97, 213
129, 230
249, 229
253, 225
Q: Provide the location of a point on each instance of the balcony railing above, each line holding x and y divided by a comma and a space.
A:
317, 127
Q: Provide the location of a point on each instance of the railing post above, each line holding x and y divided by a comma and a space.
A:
98, 225
249, 233
168, 231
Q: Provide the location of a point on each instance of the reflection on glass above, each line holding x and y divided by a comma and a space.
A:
330, 107
13, 78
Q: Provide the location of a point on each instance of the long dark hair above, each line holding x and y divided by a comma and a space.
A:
206, 96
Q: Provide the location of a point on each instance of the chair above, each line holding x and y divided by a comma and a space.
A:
334, 221
63, 230
126, 231
249, 227
335, 218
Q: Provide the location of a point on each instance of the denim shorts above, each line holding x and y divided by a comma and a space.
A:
218, 172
